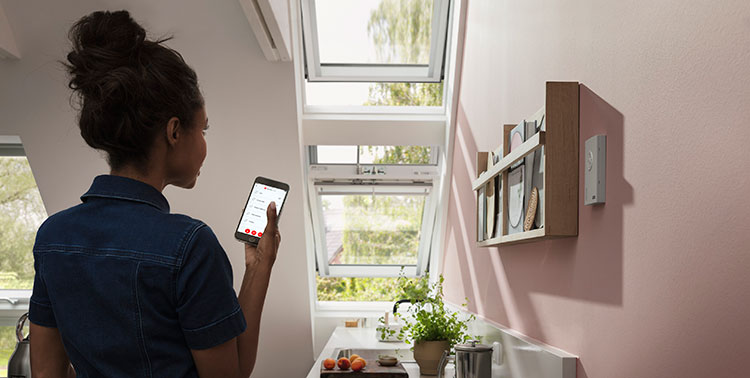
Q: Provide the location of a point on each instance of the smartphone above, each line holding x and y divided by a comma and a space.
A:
253, 221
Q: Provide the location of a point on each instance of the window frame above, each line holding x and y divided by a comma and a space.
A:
433, 72
321, 189
379, 125
395, 179
13, 302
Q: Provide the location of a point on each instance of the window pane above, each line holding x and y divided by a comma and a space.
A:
372, 229
21, 214
337, 154
374, 31
358, 289
374, 94
394, 154
8, 345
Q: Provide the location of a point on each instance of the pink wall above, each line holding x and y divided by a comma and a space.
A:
657, 284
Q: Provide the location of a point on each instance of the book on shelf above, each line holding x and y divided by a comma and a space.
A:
516, 186
497, 155
537, 173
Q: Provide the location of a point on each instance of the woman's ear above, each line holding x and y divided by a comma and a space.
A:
173, 130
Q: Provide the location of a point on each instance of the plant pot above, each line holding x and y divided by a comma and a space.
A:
428, 353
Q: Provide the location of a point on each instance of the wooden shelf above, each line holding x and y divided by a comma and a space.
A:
559, 144
513, 238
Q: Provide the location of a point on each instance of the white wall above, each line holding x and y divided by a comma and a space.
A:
250, 104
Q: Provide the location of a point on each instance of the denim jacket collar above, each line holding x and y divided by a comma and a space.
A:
123, 188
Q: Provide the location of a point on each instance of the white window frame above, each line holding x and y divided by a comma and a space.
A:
13, 302
356, 72
387, 179
379, 125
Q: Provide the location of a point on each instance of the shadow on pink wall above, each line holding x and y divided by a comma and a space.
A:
499, 282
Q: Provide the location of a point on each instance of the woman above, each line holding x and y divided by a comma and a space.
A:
123, 288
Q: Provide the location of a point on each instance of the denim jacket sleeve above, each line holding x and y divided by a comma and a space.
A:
207, 306
40, 307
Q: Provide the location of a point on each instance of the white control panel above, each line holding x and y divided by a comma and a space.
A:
595, 160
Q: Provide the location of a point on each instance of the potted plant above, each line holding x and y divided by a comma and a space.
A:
429, 326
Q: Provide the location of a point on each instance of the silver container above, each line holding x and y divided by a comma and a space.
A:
473, 360
19, 365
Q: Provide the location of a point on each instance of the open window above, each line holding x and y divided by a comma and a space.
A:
375, 40
374, 78
373, 213
21, 214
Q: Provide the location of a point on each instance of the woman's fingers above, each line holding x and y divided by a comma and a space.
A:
269, 242
271, 226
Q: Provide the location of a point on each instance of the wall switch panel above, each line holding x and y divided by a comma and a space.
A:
595, 160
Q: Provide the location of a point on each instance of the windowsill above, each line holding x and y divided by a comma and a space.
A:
10, 312
331, 309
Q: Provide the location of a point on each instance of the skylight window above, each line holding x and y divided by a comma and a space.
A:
375, 40
373, 209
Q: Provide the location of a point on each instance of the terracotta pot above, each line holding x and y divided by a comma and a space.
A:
428, 353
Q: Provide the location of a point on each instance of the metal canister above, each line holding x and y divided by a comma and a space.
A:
19, 365
473, 360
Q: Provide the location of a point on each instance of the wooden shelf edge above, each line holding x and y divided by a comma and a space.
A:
529, 146
514, 238
489, 242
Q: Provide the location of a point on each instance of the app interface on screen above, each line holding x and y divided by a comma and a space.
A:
254, 219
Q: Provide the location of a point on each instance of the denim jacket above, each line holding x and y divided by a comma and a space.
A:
132, 288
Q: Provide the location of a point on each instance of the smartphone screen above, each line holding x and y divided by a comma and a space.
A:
254, 219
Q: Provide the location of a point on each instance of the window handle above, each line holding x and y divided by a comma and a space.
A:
9, 300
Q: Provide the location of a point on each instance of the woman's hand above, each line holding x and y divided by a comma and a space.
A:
268, 246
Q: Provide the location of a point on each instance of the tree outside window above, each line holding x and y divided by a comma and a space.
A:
21, 214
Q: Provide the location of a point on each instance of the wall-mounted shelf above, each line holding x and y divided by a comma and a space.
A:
556, 147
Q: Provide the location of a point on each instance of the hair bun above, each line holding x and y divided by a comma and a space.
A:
115, 32
103, 41
127, 87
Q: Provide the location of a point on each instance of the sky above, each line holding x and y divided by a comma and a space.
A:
355, 45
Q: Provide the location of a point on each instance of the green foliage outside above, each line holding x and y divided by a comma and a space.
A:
21, 214
405, 94
357, 289
402, 154
365, 245
401, 31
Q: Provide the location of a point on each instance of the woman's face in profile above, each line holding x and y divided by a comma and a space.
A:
191, 152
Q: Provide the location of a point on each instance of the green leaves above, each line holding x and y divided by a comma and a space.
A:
428, 319
357, 289
401, 31
21, 213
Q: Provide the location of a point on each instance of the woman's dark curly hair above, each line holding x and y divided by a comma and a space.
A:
127, 87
